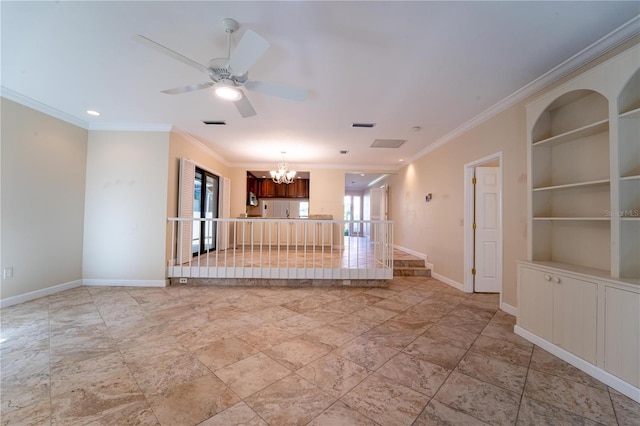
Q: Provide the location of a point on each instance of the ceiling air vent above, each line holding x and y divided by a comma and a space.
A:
387, 143
214, 123
363, 125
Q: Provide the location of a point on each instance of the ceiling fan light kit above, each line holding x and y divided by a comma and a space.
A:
227, 91
229, 74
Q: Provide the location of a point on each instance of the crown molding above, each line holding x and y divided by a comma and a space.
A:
45, 109
348, 168
121, 127
40, 107
610, 41
199, 144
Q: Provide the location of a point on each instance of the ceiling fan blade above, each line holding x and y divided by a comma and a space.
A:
244, 106
249, 50
279, 90
172, 53
189, 88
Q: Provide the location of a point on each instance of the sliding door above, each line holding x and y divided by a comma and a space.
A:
206, 187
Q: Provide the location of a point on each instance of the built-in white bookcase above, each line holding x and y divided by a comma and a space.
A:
579, 289
571, 181
629, 175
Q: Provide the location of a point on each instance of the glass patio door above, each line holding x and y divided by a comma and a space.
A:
352, 211
205, 206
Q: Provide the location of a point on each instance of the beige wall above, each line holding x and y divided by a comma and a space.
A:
436, 228
125, 208
326, 192
43, 186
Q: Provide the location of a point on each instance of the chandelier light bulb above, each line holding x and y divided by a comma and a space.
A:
283, 174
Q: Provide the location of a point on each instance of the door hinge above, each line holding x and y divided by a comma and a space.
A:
473, 181
473, 271
474, 225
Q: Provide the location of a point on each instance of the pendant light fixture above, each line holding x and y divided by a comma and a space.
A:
283, 174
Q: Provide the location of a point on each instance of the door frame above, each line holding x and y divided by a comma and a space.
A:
469, 172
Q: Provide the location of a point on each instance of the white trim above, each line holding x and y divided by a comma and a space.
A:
510, 309
610, 41
598, 373
39, 106
468, 219
199, 144
444, 279
120, 127
39, 293
409, 251
125, 283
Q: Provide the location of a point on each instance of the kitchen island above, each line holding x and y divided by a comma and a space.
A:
310, 232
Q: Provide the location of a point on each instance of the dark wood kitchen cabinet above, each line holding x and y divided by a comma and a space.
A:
252, 184
267, 188
298, 189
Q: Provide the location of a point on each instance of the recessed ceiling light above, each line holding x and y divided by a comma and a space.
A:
361, 174
416, 128
92, 112
343, 151
401, 160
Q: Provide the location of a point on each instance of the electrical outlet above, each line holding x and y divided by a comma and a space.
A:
7, 273
183, 280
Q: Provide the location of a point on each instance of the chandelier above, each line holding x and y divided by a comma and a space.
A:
283, 174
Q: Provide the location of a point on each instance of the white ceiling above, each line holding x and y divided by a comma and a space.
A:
435, 65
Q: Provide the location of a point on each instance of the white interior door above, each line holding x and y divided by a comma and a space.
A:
378, 211
488, 261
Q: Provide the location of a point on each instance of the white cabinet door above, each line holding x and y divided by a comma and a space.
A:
535, 302
297, 231
561, 309
575, 316
243, 229
622, 334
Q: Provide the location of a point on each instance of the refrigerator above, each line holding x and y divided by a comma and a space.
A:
280, 209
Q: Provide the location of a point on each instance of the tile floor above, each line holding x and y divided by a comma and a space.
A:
417, 353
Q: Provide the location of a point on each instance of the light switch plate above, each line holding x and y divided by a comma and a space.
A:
7, 273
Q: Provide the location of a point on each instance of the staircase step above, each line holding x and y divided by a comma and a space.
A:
411, 271
405, 263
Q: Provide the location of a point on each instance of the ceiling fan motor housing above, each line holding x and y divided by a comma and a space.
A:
219, 70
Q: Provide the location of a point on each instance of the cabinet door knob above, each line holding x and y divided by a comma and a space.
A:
547, 277
556, 280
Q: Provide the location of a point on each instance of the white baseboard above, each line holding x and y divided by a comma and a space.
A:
509, 309
412, 252
39, 293
125, 283
598, 373
445, 280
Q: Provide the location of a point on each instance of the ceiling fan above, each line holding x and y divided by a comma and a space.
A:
229, 74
